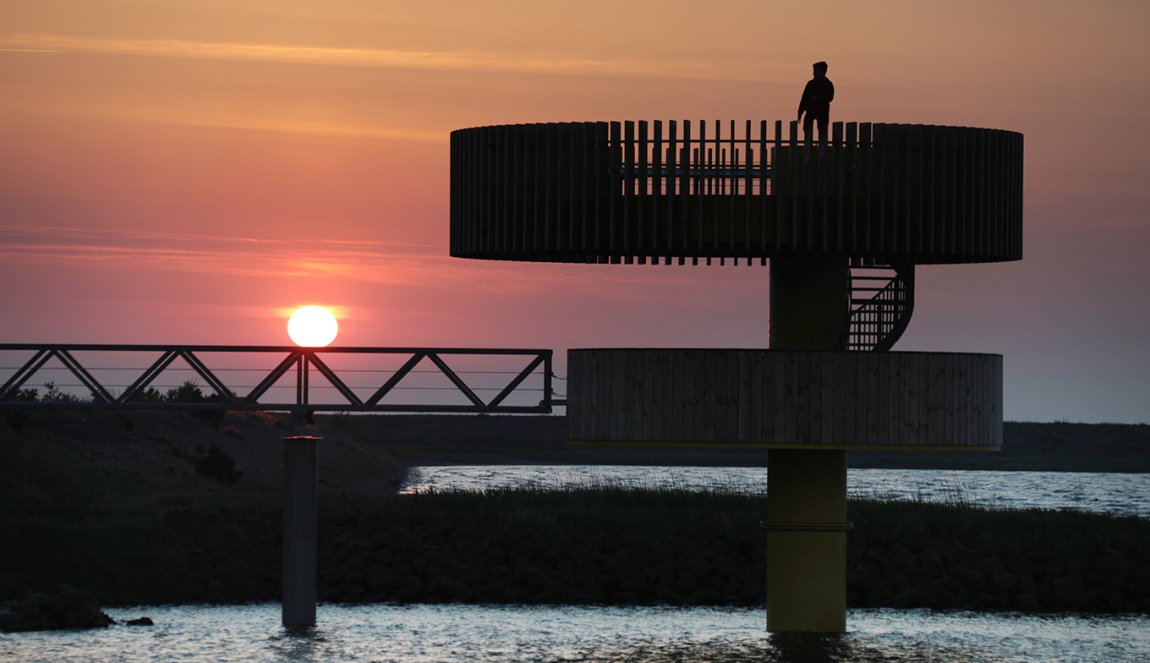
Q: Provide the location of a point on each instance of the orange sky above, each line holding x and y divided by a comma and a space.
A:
186, 170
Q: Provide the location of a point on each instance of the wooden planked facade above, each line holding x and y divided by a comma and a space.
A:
661, 192
784, 399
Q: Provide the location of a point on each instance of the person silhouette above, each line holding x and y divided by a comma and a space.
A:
816, 103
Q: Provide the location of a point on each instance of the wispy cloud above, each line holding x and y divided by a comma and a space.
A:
234, 256
201, 118
463, 60
382, 264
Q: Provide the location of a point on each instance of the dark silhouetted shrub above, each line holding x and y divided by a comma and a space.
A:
219, 465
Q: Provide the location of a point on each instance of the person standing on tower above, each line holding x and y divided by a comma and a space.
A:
816, 103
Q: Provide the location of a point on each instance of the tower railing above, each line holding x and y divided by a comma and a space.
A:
662, 191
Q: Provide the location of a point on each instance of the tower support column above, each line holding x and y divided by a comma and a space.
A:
806, 488
806, 541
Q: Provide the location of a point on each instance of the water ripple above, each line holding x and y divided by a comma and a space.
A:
521, 633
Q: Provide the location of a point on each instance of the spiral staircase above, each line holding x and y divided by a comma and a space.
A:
881, 303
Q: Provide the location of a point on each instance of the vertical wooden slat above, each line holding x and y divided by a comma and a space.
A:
774, 185
688, 384
634, 397
766, 395
747, 175
1001, 184
499, 219
723, 387
521, 198
915, 229
458, 196
567, 222
965, 394
685, 190
520, 229
716, 387
906, 178
619, 412
794, 412
849, 208
658, 235
897, 387
888, 166
491, 196
778, 396
731, 179
841, 401
700, 164
474, 204
794, 187
950, 399
859, 406
550, 156
628, 188
587, 187
602, 213
615, 191
870, 361
1015, 249
545, 239
815, 426
969, 193
751, 378
946, 192
937, 397
989, 225
838, 152
672, 186
487, 170
677, 396
825, 413
763, 189
869, 188
888, 379
642, 195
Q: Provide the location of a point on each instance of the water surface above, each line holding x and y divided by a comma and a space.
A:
1115, 493
520, 633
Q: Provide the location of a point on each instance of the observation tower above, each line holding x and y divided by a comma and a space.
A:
843, 226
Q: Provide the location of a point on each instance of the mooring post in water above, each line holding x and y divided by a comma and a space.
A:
300, 525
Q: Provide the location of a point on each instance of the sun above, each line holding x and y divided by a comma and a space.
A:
312, 327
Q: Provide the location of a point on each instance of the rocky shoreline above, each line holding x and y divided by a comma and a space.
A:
609, 547
655, 547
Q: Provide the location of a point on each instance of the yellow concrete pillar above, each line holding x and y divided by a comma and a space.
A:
806, 489
810, 296
806, 541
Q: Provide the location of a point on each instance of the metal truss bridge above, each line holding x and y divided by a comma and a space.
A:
277, 378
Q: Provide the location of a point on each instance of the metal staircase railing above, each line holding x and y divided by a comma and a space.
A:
881, 303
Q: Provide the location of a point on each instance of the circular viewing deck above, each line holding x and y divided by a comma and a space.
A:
638, 192
785, 399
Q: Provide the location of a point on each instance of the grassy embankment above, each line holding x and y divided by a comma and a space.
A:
94, 515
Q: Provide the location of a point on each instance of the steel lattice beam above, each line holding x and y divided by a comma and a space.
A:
300, 361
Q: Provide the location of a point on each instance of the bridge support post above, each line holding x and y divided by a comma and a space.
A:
806, 488
300, 530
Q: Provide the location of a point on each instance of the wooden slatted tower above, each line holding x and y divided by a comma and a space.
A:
843, 227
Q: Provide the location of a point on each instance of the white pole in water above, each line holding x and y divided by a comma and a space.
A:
299, 544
